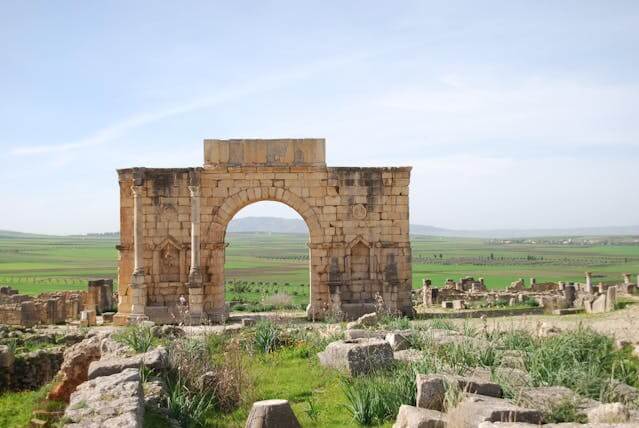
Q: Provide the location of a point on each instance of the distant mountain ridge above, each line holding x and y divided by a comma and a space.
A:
292, 225
297, 226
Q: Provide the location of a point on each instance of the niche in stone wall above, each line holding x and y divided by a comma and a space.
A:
167, 261
359, 270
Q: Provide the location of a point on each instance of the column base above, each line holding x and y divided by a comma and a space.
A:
135, 319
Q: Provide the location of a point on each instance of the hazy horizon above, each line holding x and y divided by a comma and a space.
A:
517, 115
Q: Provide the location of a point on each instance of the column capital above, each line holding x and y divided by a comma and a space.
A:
137, 190
195, 191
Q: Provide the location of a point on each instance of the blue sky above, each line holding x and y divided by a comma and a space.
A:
512, 113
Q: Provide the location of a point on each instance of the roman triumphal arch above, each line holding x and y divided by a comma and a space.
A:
173, 225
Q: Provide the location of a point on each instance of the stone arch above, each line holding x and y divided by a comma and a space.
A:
245, 197
217, 235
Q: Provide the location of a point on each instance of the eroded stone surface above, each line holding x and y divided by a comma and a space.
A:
474, 409
154, 359
108, 401
272, 414
414, 417
357, 357
75, 367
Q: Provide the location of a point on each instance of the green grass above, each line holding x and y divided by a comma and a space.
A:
16, 407
259, 265
290, 375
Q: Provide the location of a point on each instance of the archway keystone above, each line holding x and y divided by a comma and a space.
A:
359, 247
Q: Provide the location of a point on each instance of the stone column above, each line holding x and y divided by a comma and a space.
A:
138, 287
626, 278
196, 292
589, 282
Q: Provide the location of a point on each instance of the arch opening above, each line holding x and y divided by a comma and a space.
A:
267, 259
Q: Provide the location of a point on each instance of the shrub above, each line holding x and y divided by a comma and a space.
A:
188, 407
442, 324
137, 337
267, 336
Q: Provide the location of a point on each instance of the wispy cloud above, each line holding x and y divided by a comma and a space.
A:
243, 90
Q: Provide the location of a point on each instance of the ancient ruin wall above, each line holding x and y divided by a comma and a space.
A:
357, 219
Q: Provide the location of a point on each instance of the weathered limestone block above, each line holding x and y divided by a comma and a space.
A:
366, 320
414, 417
272, 414
545, 398
75, 367
108, 401
398, 341
431, 390
357, 357
476, 409
609, 413
357, 333
154, 359
408, 356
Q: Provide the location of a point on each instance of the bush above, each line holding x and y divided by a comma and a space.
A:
267, 337
139, 338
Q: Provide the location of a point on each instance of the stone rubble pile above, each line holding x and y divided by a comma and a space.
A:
482, 403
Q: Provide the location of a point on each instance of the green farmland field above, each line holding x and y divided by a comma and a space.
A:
262, 267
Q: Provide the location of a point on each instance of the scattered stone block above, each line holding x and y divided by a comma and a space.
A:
431, 390
609, 413
408, 356
356, 357
272, 414
75, 367
474, 409
398, 341
6, 357
154, 359
366, 320
459, 304
414, 417
248, 322
447, 304
107, 317
546, 397
364, 334
88, 318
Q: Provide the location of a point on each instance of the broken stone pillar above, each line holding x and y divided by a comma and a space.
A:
87, 318
138, 286
196, 292
611, 298
589, 282
272, 414
570, 294
562, 285
626, 278
533, 282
